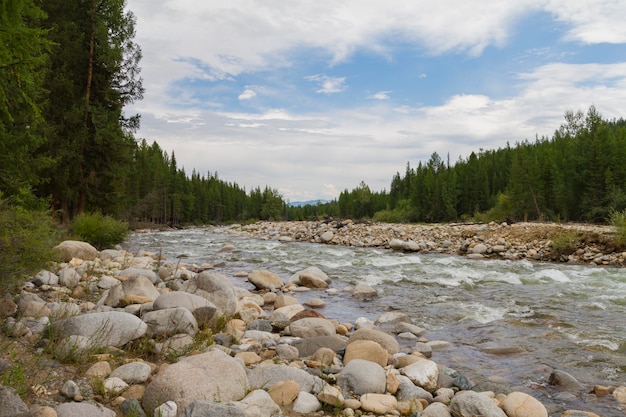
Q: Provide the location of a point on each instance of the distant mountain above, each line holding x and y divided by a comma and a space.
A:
308, 203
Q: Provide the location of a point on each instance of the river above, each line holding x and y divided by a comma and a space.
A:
557, 316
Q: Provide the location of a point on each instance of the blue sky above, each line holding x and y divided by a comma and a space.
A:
313, 97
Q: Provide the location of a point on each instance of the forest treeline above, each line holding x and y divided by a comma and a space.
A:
68, 69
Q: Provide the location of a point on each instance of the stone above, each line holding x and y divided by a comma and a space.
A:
170, 321
266, 375
42, 411
101, 329
70, 389
265, 280
407, 390
362, 377
100, 369
311, 271
74, 409
620, 394
70, 249
287, 352
331, 395
470, 403
132, 407
259, 401
12, 404
285, 300
423, 373
33, 309
306, 403
307, 347
133, 373
114, 385
312, 327
248, 358
312, 281
167, 409
44, 277
364, 291
315, 303
68, 277
379, 403
565, 381
7, 307
216, 288
131, 299
383, 339
141, 286
325, 356
368, 350
519, 404
206, 408
327, 236
388, 321
436, 410
213, 375
284, 392
143, 272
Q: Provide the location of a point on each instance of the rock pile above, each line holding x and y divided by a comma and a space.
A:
154, 338
532, 241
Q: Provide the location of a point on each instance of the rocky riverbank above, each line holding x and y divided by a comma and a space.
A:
112, 333
570, 243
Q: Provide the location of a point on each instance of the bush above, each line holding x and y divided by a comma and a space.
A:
26, 241
617, 219
103, 232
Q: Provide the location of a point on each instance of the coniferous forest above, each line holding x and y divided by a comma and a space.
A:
68, 69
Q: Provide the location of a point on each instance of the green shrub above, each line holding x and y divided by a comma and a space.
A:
617, 219
565, 241
103, 232
26, 241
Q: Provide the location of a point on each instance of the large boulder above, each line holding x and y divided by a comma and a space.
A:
109, 328
216, 288
133, 272
74, 409
12, 404
69, 249
201, 308
423, 373
311, 271
213, 375
267, 375
367, 350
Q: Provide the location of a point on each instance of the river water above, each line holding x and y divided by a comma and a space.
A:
565, 317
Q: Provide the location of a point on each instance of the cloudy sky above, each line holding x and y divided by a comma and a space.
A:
311, 97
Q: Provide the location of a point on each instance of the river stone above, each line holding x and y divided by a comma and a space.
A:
385, 340
367, 350
284, 392
83, 409
206, 408
267, 375
364, 291
307, 347
75, 249
143, 272
423, 373
362, 377
436, 410
44, 277
470, 403
565, 381
68, 277
312, 271
132, 407
216, 288
331, 395
12, 404
312, 281
133, 373
388, 321
306, 403
167, 409
181, 299
312, 327
327, 236
170, 321
141, 286
378, 403
259, 403
519, 404
213, 375
33, 309
111, 254
287, 352
397, 244
407, 390
109, 328
264, 280
285, 300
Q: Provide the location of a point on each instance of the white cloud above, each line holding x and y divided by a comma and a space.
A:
247, 94
381, 95
328, 84
597, 21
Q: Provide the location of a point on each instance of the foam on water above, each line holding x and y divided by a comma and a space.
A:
481, 313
